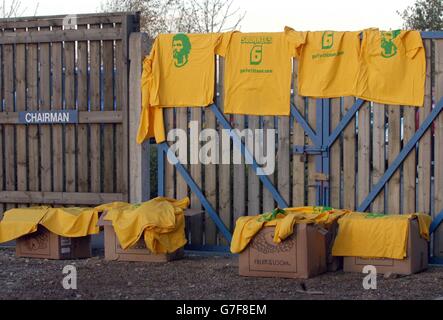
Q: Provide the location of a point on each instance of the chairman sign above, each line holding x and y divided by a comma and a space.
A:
48, 117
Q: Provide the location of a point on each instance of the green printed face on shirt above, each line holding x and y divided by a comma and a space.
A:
389, 48
327, 40
181, 48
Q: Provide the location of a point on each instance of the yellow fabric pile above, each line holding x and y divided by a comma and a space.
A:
283, 220
66, 222
160, 221
376, 235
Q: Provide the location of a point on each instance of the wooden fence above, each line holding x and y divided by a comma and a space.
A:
72, 63
360, 156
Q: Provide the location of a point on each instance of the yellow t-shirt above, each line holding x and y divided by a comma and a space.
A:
329, 63
258, 72
376, 235
392, 67
179, 72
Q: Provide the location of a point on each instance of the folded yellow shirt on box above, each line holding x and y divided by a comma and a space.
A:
283, 220
161, 222
66, 222
376, 235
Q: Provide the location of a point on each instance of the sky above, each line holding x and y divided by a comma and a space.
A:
273, 15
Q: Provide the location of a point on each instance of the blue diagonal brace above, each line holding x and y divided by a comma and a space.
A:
436, 222
344, 122
305, 125
249, 158
163, 147
401, 156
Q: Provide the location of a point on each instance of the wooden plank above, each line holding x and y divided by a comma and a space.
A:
182, 123
21, 131
170, 180
82, 129
424, 150
239, 175
312, 184
409, 164
282, 159
363, 152
224, 173
298, 138
44, 104
119, 133
2, 154
349, 175
438, 148
129, 25
253, 179
59, 198
210, 181
335, 159
196, 174
57, 104
268, 200
60, 35
9, 130
393, 205
58, 20
70, 103
95, 103
378, 154
108, 100
139, 176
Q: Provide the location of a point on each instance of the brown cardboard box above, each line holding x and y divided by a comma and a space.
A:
333, 263
302, 255
416, 260
47, 245
139, 252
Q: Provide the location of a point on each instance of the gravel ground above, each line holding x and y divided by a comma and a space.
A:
193, 278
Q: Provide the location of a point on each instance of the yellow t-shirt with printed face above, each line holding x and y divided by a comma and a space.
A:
328, 64
393, 67
179, 72
258, 73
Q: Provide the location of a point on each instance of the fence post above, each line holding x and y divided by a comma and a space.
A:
139, 186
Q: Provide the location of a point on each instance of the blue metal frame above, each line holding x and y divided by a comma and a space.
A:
322, 141
164, 148
401, 156
281, 202
434, 225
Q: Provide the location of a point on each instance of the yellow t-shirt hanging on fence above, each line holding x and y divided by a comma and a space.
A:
392, 67
179, 72
258, 72
328, 64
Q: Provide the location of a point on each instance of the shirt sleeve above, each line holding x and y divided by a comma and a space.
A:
222, 43
296, 41
413, 43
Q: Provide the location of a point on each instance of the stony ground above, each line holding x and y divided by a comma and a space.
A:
195, 277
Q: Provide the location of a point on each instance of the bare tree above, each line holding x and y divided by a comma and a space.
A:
167, 16
14, 8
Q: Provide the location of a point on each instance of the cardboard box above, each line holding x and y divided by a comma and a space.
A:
333, 263
47, 245
416, 260
302, 255
139, 252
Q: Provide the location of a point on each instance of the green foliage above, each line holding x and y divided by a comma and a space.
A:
423, 15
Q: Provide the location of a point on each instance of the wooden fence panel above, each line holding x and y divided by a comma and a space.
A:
50, 66
335, 156
393, 205
378, 154
349, 156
